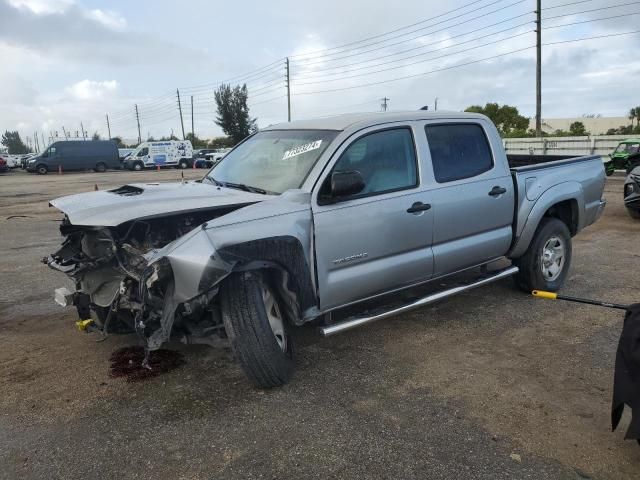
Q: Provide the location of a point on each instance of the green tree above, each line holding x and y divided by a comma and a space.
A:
577, 129
221, 142
118, 141
506, 118
233, 112
196, 142
14, 143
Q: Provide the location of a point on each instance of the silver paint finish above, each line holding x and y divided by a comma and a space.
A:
108, 209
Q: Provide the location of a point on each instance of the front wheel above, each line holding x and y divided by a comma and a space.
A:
257, 328
42, 169
137, 166
545, 265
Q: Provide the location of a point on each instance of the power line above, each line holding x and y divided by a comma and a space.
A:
416, 74
416, 63
421, 35
398, 29
592, 38
592, 10
436, 50
566, 4
312, 72
593, 20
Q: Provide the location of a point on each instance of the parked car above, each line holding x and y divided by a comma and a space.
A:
202, 152
169, 153
632, 193
3, 164
69, 155
315, 220
13, 161
626, 157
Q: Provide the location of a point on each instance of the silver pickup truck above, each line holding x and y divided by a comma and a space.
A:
331, 220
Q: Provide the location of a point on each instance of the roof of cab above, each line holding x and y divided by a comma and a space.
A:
342, 122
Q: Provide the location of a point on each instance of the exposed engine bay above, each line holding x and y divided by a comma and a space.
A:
121, 291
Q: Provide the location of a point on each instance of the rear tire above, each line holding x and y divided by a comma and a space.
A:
609, 168
100, 168
634, 213
545, 265
257, 329
42, 169
183, 164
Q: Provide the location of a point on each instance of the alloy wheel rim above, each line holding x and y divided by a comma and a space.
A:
276, 322
552, 258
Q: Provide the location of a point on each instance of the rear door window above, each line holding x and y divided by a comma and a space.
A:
458, 151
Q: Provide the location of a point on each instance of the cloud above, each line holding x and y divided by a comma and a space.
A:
70, 32
89, 90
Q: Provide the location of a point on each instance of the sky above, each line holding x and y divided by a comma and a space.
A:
64, 63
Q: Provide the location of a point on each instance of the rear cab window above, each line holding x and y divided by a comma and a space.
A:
458, 151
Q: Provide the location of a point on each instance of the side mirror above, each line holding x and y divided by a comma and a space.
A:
346, 183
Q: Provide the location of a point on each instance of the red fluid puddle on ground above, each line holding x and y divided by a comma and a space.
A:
127, 362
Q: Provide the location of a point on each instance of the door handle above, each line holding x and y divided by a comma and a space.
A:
418, 207
495, 191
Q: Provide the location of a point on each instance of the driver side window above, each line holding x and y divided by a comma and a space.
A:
386, 160
144, 152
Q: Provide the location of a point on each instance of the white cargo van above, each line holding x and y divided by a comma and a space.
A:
170, 153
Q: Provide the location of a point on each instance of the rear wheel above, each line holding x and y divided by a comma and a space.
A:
257, 328
634, 213
100, 168
545, 265
42, 169
183, 164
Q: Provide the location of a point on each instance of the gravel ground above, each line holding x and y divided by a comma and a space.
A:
490, 384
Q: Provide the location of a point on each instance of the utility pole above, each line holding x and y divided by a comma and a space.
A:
84, 137
384, 105
435, 106
108, 126
193, 132
288, 81
180, 110
138, 120
66, 137
538, 68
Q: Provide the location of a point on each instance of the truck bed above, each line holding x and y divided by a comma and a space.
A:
524, 162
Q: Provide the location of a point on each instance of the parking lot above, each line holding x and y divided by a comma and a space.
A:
489, 384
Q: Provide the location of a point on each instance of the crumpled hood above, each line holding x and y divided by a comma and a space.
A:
109, 208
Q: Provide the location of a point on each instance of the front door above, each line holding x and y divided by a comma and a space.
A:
378, 239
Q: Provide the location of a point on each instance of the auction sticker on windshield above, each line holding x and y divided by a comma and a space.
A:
302, 149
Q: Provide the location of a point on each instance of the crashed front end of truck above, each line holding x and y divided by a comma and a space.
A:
158, 275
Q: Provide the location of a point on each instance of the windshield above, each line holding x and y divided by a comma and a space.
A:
274, 160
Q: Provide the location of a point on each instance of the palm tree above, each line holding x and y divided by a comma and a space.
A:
632, 115
637, 111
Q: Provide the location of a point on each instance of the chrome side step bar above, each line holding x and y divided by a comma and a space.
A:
434, 297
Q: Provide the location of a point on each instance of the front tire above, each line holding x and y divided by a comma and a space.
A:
257, 329
42, 169
137, 166
545, 265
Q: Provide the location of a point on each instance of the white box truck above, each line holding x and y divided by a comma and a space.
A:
170, 153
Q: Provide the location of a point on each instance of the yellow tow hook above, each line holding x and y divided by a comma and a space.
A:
83, 325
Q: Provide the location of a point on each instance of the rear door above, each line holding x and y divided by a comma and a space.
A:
373, 241
472, 195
